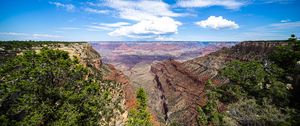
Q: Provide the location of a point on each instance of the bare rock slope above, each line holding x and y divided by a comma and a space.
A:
181, 84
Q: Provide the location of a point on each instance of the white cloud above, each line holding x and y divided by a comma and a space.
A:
285, 25
97, 28
279, 27
68, 7
230, 4
153, 18
275, 31
286, 20
106, 26
276, 1
13, 34
118, 24
217, 23
142, 9
94, 4
148, 28
96, 11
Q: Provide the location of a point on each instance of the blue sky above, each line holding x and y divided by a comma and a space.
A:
131, 20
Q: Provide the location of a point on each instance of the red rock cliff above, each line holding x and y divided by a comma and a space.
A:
181, 85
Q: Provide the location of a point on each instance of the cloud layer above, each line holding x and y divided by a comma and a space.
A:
141, 10
107, 26
152, 18
230, 4
96, 11
148, 28
68, 7
158, 20
217, 23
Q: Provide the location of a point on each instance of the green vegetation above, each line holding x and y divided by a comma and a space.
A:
140, 116
210, 110
259, 96
201, 118
264, 92
9, 49
29, 44
288, 58
254, 80
50, 88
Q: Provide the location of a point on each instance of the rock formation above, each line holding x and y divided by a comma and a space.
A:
175, 89
90, 59
181, 84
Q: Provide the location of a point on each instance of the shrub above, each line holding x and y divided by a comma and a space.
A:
49, 88
201, 118
248, 112
255, 80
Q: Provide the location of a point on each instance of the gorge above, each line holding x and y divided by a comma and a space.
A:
174, 75
175, 80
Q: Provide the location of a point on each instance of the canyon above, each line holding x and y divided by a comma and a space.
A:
182, 83
122, 96
174, 74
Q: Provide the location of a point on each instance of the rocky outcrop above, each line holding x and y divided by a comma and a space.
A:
135, 59
181, 84
116, 75
123, 94
181, 93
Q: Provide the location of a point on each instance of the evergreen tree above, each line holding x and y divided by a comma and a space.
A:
201, 118
140, 116
49, 88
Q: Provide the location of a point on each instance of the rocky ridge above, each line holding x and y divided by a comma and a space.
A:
90, 59
180, 85
175, 89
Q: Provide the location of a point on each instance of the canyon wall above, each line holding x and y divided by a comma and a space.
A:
93, 62
180, 85
175, 89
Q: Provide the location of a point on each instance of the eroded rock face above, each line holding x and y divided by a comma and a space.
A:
181, 92
135, 60
92, 60
181, 85
116, 75
90, 57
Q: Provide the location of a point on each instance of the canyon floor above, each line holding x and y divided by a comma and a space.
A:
180, 78
136, 60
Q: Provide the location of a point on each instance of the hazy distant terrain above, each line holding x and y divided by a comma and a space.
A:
125, 55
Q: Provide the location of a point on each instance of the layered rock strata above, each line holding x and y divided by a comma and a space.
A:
180, 85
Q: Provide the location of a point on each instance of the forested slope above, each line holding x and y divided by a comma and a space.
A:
57, 83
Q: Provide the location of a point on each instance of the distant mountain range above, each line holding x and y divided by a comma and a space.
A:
125, 55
